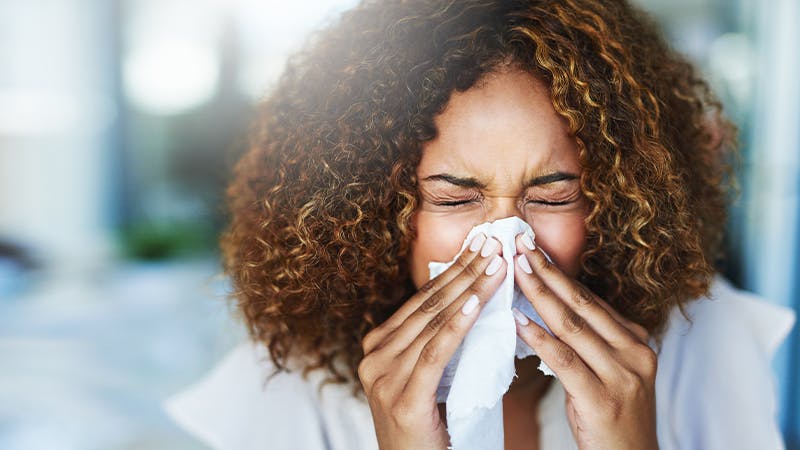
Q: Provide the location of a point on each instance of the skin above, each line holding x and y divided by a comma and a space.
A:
496, 143
502, 134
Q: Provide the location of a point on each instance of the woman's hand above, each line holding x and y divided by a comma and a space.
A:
404, 358
602, 359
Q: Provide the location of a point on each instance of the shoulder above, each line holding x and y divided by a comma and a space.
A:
730, 326
715, 383
727, 310
241, 405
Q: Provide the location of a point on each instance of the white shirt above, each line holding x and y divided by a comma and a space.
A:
715, 390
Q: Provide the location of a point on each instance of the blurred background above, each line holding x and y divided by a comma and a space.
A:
119, 122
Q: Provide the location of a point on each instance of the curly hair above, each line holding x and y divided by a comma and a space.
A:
321, 202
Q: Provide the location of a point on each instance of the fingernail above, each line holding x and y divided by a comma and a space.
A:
521, 319
469, 305
488, 247
476, 243
523, 263
494, 265
528, 242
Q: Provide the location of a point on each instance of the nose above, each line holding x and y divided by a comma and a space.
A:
502, 208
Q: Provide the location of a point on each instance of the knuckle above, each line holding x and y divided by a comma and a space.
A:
436, 322
640, 331
433, 303
461, 263
572, 322
541, 262
565, 356
472, 270
539, 334
633, 386
427, 287
369, 342
381, 391
628, 381
540, 289
582, 298
430, 354
365, 372
648, 360
453, 327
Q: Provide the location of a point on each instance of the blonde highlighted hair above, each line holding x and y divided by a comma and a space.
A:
320, 204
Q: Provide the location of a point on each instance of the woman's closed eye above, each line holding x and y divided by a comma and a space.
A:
540, 202
455, 203
553, 201
550, 203
451, 200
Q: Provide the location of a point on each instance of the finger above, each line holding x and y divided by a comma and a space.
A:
578, 297
471, 279
483, 288
468, 255
566, 323
637, 330
437, 351
443, 323
576, 377
422, 298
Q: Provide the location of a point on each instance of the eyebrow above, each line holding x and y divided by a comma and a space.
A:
471, 182
551, 178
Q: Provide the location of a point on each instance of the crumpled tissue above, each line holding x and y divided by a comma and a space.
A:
482, 368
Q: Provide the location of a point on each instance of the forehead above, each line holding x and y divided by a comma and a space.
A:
504, 127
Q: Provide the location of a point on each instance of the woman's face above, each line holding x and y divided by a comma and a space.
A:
501, 151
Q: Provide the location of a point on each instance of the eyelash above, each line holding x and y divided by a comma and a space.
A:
464, 202
552, 203
453, 204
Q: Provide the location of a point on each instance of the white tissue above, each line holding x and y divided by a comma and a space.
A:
482, 368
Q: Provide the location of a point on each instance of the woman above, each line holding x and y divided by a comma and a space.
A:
406, 124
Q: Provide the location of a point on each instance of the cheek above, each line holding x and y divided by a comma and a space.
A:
439, 238
563, 238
